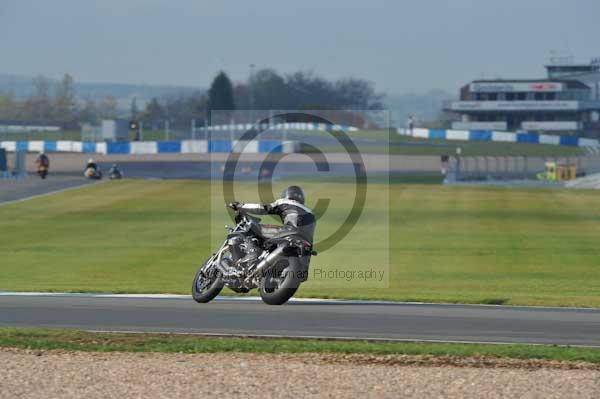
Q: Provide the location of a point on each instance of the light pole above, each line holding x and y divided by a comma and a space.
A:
251, 93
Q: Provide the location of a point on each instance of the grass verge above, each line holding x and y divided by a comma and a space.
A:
384, 141
434, 243
71, 340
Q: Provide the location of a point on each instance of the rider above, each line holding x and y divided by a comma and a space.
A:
42, 160
292, 211
91, 164
114, 170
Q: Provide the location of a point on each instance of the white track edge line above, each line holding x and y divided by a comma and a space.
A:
293, 300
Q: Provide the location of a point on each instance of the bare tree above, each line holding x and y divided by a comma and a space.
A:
65, 103
108, 108
8, 106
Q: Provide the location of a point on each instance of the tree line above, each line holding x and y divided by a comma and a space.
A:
57, 103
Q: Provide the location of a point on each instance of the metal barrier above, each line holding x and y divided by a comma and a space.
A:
4, 173
20, 171
478, 168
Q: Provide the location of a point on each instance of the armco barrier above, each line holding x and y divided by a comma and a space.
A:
186, 146
530, 138
265, 146
220, 146
169, 147
118, 148
153, 147
270, 146
50, 146
506, 137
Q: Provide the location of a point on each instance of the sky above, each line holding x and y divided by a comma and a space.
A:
402, 46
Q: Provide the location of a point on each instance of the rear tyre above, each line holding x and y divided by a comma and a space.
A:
206, 287
280, 283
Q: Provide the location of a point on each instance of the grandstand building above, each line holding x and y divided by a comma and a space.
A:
567, 101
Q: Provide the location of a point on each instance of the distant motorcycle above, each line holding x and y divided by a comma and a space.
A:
277, 272
42, 171
43, 164
115, 173
93, 174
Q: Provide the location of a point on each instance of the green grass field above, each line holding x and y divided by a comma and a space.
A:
385, 141
446, 244
50, 339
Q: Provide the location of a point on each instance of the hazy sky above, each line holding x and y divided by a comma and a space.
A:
401, 45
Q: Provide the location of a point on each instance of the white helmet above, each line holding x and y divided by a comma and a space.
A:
90, 160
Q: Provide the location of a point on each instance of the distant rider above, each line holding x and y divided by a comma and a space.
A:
92, 171
292, 211
91, 164
115, 172
42, 160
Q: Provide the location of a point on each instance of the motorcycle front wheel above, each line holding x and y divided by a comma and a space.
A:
206, 287
280, 283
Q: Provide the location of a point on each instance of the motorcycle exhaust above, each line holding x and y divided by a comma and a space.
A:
268, 261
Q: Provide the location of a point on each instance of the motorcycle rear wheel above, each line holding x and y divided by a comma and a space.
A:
206, 288
279, 284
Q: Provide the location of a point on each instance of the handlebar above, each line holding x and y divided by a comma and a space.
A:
233, 205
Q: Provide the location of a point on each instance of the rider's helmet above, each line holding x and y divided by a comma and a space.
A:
294, 193
90, 161
114, 166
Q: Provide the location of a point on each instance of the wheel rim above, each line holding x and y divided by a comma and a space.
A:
202, 283
274, 282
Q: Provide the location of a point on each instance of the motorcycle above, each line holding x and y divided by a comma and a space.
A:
91, 173
42, 171
277, 272
115, 174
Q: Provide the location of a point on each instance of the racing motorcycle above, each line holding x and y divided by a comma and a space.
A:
93, 174
115, 174
42, 170
277, 272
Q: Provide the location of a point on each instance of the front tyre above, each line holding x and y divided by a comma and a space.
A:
206, 286
280, 283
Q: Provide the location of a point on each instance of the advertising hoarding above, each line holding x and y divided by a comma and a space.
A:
508, 87
514, 105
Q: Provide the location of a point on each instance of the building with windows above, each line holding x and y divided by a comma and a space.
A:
567, 101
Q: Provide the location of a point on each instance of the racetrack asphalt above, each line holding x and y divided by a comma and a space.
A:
304, 318
31, 186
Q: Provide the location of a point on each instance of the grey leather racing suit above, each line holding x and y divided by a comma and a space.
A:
293, 214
